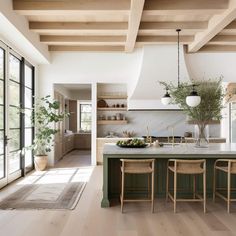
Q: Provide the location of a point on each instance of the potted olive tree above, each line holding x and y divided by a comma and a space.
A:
45, 115
208, 111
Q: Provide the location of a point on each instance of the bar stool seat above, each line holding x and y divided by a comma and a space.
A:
188, 167
228, 166
140, 166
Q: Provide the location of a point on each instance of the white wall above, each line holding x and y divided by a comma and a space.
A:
212, 65
85, 68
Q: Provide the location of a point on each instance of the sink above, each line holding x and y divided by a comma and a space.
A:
171, 144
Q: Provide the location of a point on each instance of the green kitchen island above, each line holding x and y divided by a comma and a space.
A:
136, 185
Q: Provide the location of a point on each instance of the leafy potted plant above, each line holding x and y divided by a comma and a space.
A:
209, 110
45, 115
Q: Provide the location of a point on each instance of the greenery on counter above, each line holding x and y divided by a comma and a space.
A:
131, 143
212, 95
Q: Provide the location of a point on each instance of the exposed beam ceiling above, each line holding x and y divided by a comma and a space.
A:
32, 7
101, 25
136, 10
216, 24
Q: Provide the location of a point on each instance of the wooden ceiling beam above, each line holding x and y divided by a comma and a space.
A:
78, 26
83, 40
136, 10
223, 40
184, 7
159, 8
87, 48
218, 48
142, 40
216, 24
173, 25
61, 38
32, 7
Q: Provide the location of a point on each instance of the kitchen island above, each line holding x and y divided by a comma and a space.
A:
111, 167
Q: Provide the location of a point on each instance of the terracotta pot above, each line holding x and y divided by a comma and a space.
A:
40, 162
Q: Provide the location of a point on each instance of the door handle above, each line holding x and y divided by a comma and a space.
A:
6, 139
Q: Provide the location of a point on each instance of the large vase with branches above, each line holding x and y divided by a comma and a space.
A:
209, 110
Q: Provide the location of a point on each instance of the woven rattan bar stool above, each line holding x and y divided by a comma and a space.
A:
229, 167
187, 167
131, 166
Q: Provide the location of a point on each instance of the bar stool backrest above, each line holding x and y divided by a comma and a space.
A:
190, 166
135, 164
233, 166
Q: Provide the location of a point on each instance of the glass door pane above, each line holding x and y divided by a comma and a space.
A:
28, 88
2, 125
14, 115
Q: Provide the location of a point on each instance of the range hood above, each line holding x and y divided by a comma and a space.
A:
158, 63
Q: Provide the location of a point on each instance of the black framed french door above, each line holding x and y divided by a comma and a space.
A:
16, 129
3, 160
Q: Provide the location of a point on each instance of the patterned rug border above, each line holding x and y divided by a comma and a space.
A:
73, 206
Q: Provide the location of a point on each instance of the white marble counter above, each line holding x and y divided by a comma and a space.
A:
181, 149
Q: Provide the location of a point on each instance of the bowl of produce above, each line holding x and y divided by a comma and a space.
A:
132, 143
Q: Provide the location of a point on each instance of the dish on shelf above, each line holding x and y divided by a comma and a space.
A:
102, 103
132, 143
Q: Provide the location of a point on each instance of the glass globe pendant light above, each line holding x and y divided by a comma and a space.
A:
193, 100
166, 99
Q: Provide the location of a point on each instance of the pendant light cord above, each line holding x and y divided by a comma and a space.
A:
178, 30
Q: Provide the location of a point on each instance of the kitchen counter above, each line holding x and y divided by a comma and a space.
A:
100, 144
111, 166
211, 140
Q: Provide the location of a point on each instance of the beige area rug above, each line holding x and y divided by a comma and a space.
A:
54, 189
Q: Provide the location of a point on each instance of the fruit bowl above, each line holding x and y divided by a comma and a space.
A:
131, 143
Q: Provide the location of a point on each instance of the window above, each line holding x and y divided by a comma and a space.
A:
28, 106
85, 116
16, 130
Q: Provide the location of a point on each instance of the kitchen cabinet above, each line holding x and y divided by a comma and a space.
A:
73, 115
60, 126
83, 141
100, 144
68, 143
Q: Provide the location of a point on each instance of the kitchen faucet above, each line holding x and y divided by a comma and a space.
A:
172, 131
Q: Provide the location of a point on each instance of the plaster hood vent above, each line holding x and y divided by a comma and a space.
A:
159, 63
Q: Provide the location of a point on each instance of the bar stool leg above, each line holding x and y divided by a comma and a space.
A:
122, 190
204, 191
152, 192
167, 184
194, 186
228, 191
175, 190
149, 190
214, 184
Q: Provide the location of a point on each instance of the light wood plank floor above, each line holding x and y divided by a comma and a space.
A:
90, 219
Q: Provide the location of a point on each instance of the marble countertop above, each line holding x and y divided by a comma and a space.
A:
181, 149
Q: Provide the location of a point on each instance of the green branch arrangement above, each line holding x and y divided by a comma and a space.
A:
212, 95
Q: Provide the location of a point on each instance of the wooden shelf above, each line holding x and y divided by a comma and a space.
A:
112, 108
112, 122
112, 97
